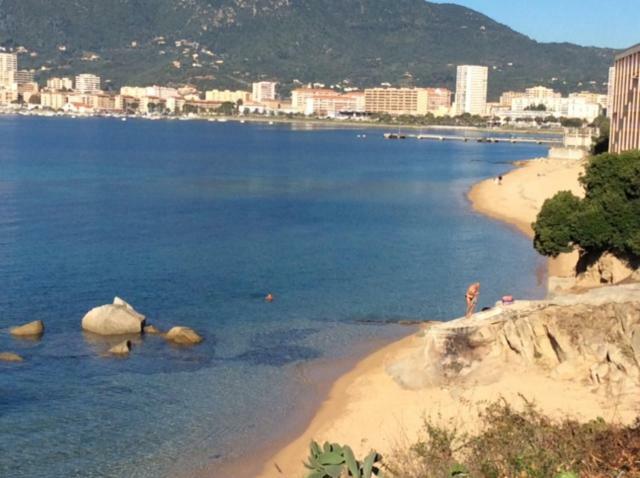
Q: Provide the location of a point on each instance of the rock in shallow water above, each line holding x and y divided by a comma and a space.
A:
183, 336
32, 329
151, 330
113, 319
121, 349
10, 357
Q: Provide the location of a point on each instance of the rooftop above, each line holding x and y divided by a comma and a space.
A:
629, 51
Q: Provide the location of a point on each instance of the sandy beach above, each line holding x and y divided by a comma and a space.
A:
368, 409
519, 198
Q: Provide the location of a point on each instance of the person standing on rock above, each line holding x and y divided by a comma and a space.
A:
473, 291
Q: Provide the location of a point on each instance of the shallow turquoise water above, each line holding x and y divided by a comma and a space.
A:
192, 223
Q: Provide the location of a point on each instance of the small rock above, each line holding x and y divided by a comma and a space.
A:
151, 330
122, 348
10, 357
183, 336
31, 329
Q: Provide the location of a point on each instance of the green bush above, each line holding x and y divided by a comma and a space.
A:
607, 219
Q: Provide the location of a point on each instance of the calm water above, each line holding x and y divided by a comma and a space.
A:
192, 223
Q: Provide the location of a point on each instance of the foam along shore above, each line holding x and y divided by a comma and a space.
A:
519, 198
560, 353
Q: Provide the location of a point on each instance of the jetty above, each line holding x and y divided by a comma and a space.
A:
477, 139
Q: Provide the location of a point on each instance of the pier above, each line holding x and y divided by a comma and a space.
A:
477, 139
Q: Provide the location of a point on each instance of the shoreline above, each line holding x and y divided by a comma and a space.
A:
319, 377
279, 120
516, 203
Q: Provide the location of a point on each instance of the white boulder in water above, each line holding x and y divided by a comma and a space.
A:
113, 319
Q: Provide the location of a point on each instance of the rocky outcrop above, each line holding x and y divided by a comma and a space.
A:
32, 329
121, 349
591, 338
10, 357
183, 336
118, 318
606, 269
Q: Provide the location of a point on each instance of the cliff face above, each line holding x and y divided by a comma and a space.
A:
591, 340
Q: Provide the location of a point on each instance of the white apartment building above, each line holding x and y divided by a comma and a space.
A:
139, 92
87, 83
471, 89
264, 91
610, 84
223, 96
60, 83
8, 70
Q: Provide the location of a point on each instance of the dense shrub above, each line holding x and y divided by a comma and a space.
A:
522, 444
607, 219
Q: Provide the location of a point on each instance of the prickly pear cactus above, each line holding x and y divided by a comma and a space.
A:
335, 461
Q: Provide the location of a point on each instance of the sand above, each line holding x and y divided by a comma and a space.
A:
367, 409
519, 198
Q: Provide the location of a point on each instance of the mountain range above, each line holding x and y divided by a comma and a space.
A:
231, 43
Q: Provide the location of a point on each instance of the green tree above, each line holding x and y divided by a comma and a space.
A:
607, 219
555, 226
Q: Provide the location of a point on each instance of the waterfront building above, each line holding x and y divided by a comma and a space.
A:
625, 116
227, 96
397, 101
87, 83
54, 100
263, 91
471, 89
161, 92
63, 83
610, 85
438, 101
326, 102
8, 70
175, 104
105, 102
27, 90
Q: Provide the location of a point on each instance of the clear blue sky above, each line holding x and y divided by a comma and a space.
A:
606, 23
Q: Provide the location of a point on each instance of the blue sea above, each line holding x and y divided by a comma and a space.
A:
193, 223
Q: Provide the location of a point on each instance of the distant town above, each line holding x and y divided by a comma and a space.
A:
537, 106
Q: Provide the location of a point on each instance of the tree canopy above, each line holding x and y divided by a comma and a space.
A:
606, 219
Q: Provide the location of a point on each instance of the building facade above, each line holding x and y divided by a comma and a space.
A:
87, 83
326, 102
60, 83
8, 70
264, 91
471, 89
229, 96
625, 115
396, 101
610, 85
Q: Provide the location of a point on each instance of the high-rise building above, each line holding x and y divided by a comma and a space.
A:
264, 91
610, 83
625, 115
87, 83
326, 102
471, 89
8, 70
